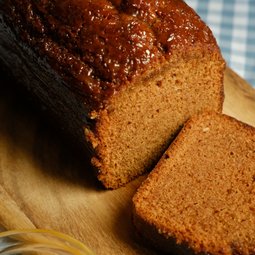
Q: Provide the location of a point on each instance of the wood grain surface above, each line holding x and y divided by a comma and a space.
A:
45, 181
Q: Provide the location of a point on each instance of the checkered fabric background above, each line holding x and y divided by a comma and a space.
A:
233, 24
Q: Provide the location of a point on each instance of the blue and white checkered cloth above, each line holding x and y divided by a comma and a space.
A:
233, 25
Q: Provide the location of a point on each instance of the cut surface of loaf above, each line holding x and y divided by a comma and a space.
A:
125, 75
200, 196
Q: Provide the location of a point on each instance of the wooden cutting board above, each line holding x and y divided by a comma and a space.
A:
45, 182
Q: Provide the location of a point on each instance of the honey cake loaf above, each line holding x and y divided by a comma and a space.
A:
199, 199
122, 75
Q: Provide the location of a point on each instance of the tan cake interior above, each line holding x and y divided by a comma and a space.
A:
140, 122
202, 192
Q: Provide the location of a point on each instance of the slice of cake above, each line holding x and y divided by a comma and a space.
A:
122, 75
200, 196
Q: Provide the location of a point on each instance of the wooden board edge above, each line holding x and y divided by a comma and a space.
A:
239, 98
241, 83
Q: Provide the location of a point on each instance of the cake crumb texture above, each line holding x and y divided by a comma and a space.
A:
201, 193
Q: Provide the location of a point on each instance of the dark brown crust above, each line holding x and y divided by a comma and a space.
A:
97, 46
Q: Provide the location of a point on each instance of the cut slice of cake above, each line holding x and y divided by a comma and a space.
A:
122, 75
200, 196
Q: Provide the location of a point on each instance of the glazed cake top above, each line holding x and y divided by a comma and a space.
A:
102, 44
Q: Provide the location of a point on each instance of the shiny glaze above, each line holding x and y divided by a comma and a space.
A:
97, 45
